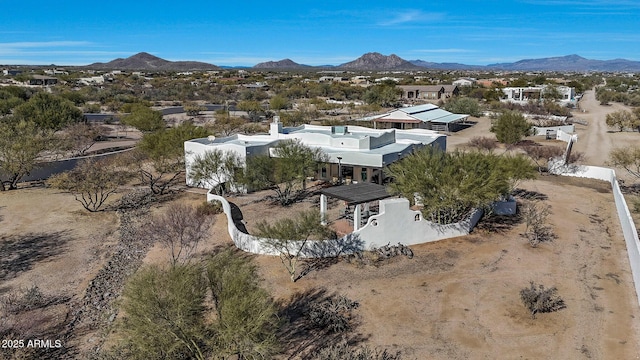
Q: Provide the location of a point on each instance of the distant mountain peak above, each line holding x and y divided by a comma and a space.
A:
281, 64
148, 62
377, 61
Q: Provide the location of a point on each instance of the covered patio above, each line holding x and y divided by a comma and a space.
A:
359, 196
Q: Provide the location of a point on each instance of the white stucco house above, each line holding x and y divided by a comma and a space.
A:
536, 93
358, 153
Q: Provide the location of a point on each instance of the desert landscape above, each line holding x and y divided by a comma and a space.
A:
455, 299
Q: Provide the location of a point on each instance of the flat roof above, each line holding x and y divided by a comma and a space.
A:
359, 193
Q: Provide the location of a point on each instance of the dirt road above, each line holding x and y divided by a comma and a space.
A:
596, 140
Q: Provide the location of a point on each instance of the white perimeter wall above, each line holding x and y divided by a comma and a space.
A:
396, 223
624, 215
542, 131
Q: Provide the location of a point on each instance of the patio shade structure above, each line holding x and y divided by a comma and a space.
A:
354, 194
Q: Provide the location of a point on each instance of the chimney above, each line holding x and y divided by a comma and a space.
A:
275, 127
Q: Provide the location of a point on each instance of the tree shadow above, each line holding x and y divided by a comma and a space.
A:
529, 194
300, 336
21, 252
499, 223
324, 254
238, 218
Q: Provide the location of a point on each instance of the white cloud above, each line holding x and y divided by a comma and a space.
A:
411, 16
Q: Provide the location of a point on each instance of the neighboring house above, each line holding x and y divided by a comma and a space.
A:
536, 93
450, 90
11, 72
488, 83
422, 92
427, 116
257, 85
341, 79
94, 80
465, 82
42, 80
356, 154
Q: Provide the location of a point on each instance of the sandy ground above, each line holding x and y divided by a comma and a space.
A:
456, 299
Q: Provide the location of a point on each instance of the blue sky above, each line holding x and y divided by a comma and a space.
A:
244, 33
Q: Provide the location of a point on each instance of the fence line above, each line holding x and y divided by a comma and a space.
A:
624, 215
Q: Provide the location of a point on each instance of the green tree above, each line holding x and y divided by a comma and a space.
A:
10, 99
247, 318
620, 119
385, 95
92, 182
167, 315
226, 125
160, 160
49, 112
193, 109
463, 105
22, 145
627, 158
451, 185
144, 119
164, 313
278, 102
286, 172
253, 109
510, 127
289, 238
551, 92
215, 168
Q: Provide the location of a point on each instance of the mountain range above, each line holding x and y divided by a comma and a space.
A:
148, 62
378, 62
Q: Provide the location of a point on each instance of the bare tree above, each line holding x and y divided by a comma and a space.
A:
535, 216
179, 229
92, 182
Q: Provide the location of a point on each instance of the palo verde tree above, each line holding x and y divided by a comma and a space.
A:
627, 158
464, 105
160, 157
285, 172
166, 312
451, 185
48, 112
623, 119
22, 144
246, 315
144, 119
92, 182
510, 127
385, 94
215, 168
290, 236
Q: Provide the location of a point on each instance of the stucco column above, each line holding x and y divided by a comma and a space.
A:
323, 209
356, 217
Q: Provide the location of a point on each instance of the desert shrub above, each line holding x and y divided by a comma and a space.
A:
535, 216
483, 143
539, 299
210, 208
334, 314
344, 351
28, 299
